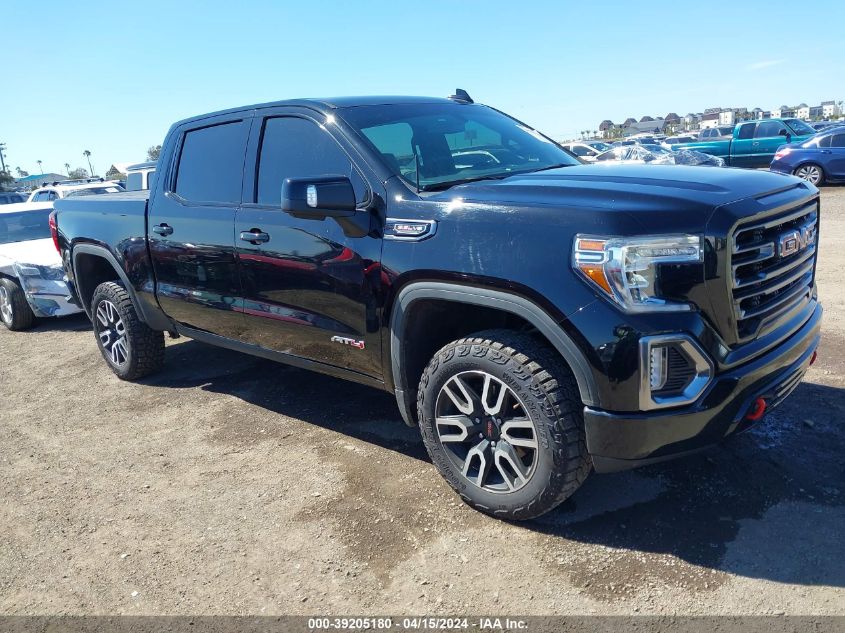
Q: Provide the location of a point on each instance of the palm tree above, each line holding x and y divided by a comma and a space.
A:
20, 172
41, 169
67, 168
87, 154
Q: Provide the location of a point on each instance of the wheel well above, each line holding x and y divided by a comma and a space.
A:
432, 323
89, 272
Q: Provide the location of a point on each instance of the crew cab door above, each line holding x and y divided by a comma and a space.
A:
834, 163
191, 226
742, 146
310, 289
768, 136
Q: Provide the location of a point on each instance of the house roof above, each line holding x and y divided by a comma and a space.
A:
647, 126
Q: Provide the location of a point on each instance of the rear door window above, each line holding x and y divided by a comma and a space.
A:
211, 163
837, 140
747, 131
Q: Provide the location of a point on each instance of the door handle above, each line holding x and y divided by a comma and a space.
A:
255, 236
826, 151
163, 229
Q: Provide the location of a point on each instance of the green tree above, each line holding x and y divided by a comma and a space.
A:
40, 168
87, 154
80, 173
7, 181
67, 168
153, 152
22, 173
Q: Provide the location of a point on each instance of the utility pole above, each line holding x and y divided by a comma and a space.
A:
2, 157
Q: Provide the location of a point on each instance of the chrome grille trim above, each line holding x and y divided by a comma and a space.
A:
764, 283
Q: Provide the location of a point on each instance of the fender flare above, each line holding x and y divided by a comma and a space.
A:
507, 302
153, 318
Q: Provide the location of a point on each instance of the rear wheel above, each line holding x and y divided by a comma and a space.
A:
14, 309
500, 416
811, 173
130, 347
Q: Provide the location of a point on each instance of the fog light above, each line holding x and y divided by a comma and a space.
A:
674, 371
657, 375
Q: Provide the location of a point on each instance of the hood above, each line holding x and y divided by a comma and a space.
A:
678, 195
35, 252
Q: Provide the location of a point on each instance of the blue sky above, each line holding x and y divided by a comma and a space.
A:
131, 69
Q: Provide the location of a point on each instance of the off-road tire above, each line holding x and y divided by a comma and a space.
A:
145, 347
542, 380
22, 317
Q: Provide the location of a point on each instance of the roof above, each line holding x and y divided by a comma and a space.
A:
332, 103
140, 166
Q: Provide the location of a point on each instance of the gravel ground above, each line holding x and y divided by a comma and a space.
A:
229, 484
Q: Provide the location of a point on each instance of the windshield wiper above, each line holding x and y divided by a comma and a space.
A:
440, 186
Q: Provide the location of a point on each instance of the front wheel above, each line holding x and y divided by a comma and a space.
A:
813, 174
501, 418
14, 309
130, 347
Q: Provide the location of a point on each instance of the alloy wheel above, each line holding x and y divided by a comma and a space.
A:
112, 332
486, 431
810, 173
5, 305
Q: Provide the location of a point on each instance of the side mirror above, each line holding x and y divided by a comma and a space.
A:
318, 198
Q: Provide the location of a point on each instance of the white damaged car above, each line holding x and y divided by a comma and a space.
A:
32, 281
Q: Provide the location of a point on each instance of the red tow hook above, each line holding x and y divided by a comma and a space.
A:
757, 410
813, 358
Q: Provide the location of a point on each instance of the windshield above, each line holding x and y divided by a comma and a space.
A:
656, 149
24, 226
799, 127
726, 131
440, 145
599, 146
93, 191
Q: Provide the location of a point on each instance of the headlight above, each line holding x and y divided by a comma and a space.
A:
625, 269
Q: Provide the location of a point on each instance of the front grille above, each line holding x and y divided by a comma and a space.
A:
772, 266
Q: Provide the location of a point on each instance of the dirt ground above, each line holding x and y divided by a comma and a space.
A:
229, 484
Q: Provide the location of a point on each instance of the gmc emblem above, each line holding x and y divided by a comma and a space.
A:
796, 240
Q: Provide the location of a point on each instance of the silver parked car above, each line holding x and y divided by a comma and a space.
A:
32, 281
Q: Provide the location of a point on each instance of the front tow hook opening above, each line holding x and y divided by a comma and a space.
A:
757, 410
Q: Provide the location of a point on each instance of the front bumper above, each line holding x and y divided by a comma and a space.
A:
618, 441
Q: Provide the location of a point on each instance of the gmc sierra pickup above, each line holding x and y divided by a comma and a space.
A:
535, 317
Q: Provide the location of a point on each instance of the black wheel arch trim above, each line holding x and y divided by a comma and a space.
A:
486, 297
154, 318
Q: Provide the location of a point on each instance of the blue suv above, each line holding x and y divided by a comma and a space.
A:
818, 159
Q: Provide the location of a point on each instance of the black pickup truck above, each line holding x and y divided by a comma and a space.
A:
535, 317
